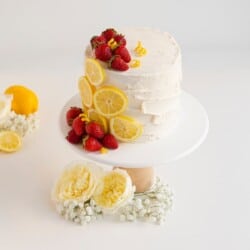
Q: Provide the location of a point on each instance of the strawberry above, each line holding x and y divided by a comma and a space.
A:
78, 126
97, 40
72, 113
120, 39
109, 141
94, 129
109, 33
123, 52
73, 138
92, 144
116, 62
103, 52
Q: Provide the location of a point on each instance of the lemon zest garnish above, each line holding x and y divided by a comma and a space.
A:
140, 50
84, 117
135, 63
112, 44
104, 150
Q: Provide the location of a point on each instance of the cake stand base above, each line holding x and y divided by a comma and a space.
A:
142, 178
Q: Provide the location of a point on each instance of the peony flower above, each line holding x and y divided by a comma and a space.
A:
115, 190
77, 182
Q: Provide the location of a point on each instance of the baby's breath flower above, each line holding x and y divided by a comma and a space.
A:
21, 124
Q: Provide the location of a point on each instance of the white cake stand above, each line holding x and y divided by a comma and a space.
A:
190, 133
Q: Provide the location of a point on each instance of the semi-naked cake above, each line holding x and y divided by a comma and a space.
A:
151, 81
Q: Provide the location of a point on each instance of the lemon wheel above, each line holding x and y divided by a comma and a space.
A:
110, 101
86, 91
125, 128
9, 141
94, 71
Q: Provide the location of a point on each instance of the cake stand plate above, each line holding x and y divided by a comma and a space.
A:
190, 133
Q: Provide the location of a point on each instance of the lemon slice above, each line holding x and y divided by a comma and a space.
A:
125, 128
94, 116
110, 101
94, 71
86, 91
10, 141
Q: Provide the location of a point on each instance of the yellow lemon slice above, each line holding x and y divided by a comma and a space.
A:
110, 101
86, 91
94, 116
94, 71
125, 128
9, 141
24, 100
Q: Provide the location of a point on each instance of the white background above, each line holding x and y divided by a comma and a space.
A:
41, 46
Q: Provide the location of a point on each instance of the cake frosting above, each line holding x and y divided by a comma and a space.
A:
153, 89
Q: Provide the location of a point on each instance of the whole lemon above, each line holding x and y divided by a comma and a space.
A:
24, 100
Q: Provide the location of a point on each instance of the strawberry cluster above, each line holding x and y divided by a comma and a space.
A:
110, 47
90, 134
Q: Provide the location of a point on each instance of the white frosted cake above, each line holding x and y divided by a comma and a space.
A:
153, 88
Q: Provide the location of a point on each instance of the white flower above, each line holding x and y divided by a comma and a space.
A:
5, 106
77, 182
21, 124
115, 190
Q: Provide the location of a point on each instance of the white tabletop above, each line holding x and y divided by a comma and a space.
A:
211, 185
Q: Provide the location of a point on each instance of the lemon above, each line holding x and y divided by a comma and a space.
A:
24, 100
5, 105
110, 101
125, 128
94, 116
86, 91
94, 72
10, 141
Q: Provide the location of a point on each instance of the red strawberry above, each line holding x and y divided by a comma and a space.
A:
94, 129
103, 52
119, 38
97, 40
73, 138
92, 144
116, 62
78, 126
109, 33
109, 141
123, 52
72, 113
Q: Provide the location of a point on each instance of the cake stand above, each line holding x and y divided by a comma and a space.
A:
140, 158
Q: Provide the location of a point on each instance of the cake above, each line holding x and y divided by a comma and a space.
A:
153, 87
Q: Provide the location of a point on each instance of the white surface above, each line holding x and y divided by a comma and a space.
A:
42, 45
190, 133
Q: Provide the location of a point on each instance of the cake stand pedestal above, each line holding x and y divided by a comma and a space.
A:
140, 159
